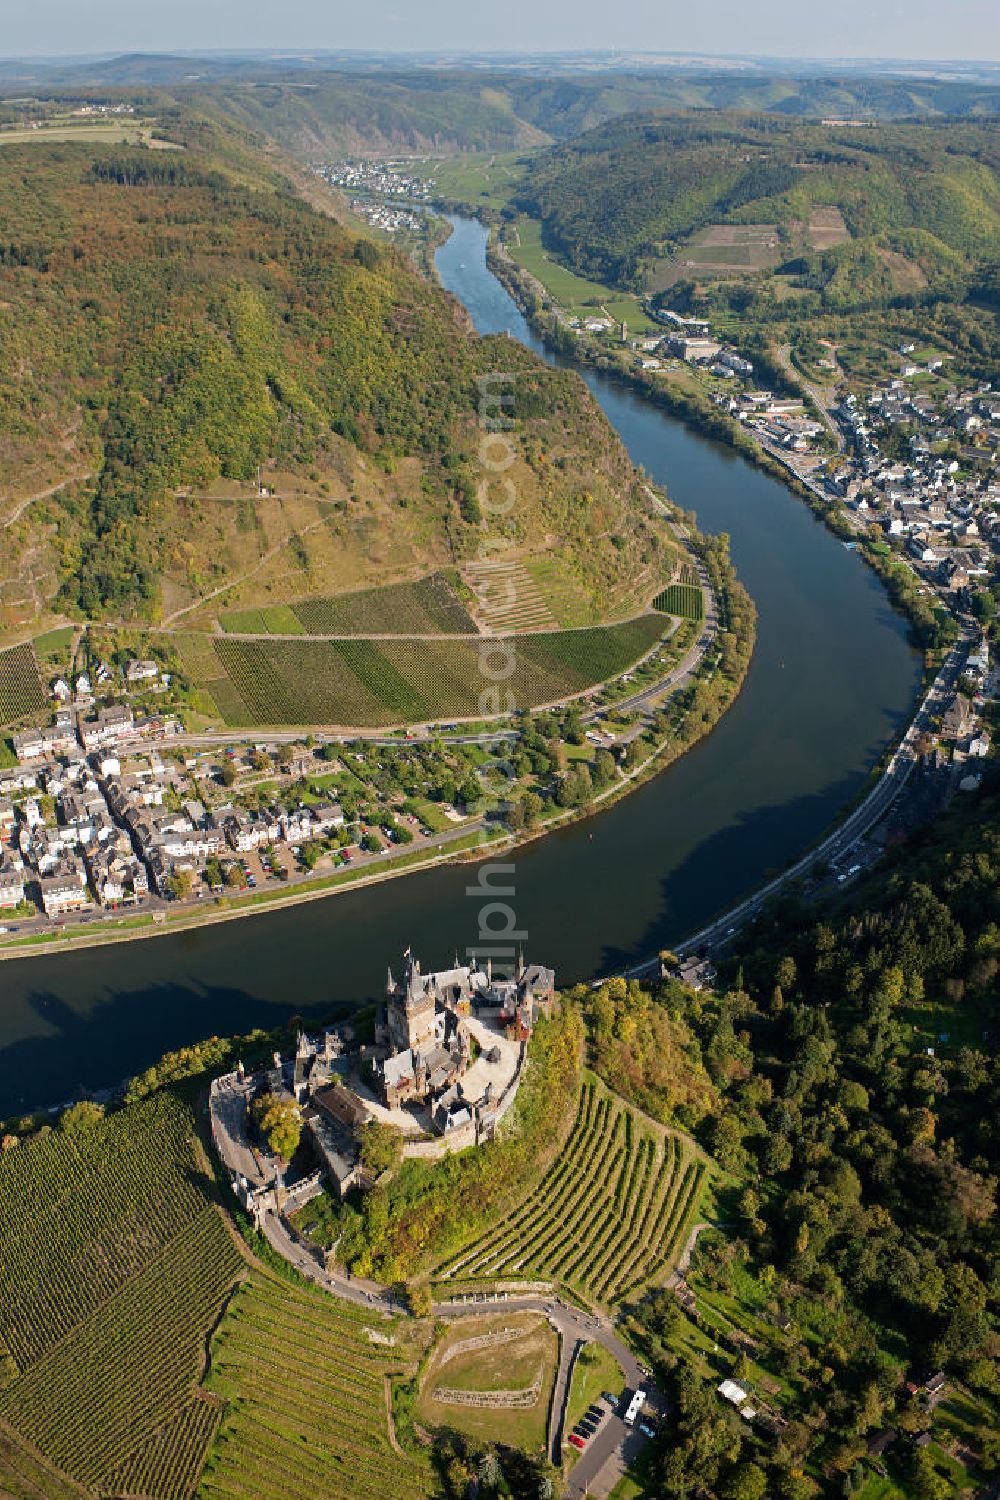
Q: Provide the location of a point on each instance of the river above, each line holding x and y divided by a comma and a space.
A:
831, 682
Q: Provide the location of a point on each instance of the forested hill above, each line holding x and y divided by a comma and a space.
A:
857, 1055
171, 316
636, 189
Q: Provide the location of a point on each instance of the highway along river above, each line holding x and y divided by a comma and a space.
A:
832, 680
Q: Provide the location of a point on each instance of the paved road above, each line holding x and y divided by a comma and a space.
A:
823, 399
614, 1446
848, 833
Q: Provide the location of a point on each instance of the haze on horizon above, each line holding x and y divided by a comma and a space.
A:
925, 30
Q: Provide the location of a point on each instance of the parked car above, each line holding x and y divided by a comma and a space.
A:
577, 1440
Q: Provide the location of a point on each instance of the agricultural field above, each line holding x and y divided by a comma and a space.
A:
274, 619
729, 247
514, 596
304, 1389
110, 132
479, 179
826, 228
684, 599
114, 1265
492, 1370
576, 294
369, 683
429, 606
565, 596
21, 692
608, 1216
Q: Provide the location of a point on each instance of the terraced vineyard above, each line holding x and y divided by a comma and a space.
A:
114, 1265
21, 692
370, 683
305, 1394
509, 597
607, 1217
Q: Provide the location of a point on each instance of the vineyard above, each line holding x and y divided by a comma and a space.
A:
305, 1394
430, 606
684, 599
369, 683
21, 692
608, 1216
114, 1265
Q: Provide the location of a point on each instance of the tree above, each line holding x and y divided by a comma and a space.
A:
418, 1294
747, 1482
180, 885
367, 254
234, 875
310, 853
279, 1121
82, 1117
489, 1471
605, 768
381, 1146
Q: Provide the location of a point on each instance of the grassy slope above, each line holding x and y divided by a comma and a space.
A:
177, 317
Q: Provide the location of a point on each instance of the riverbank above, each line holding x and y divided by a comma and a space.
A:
702, 692
703, 417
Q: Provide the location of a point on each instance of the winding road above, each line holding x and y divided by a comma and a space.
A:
851, 830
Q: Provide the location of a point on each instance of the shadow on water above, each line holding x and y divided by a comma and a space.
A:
76, 1052
831, 681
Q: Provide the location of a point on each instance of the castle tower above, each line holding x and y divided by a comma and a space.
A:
410, 1009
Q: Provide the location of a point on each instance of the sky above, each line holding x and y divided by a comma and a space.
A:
921, 29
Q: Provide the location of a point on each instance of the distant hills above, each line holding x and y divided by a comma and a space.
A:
315, 105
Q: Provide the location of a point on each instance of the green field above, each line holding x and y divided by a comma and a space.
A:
275, 619
430, 606
370, 683
608, 1216
684, 599
304, 1394
21, 692
110, 131
481, 179
114, 1265
518, 1363
574, 293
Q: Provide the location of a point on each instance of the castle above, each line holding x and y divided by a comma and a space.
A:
424, 1035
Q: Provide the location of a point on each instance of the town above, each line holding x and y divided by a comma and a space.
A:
110, 811
376, 189
912, 469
